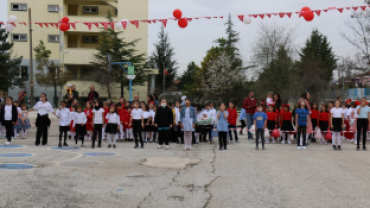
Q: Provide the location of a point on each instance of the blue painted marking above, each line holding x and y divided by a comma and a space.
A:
16, 155
10, 146
119, 189
97, 154
66, 148
15, 166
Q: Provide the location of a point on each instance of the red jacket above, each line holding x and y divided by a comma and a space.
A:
250, 105
233, 115
106, 110
314, 114
126, 123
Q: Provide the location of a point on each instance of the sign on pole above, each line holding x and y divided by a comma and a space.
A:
131, 70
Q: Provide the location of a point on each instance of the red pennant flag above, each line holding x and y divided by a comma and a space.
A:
105, 24
135, 22
325, 10
215, 17
297, 12
254, 15
289, 14
241, 17
23, 23
96, 24
189, 19
363, 8
47, 25
124, 24
112, 25
166, 72
348, 8
269, 15
221, 17
275, 14
13, 23
88, 24
149, 21
318, 12
281, 14
2, 23
332, 8
208, 17
40, 24
164, 21
73, 25
355, 8
154, 21
340, 10
262, 15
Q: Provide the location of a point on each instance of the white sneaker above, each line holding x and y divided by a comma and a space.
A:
304, 147
299, 147
160, 147
273, 141
283, 142
167, 147
289, 142
7, 143
267, 141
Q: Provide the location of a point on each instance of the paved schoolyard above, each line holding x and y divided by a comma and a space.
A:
281, 176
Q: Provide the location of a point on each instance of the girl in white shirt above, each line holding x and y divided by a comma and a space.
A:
72, 131
137, 122
150, 123
337, 124
98, 119
79, 122
113, 125
198, 129
146, 115
24, 122
64, 116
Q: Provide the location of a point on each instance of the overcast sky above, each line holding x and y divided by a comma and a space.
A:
192, 43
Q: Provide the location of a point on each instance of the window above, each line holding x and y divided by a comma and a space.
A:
53, 38
24, 71
53, 8
19, 37
90, 9
18, 7
90, 39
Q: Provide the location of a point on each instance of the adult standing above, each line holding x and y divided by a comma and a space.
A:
136, 99
21, 98
43, 108
163, 120
93, 95
277, 101
249, 105
188, 119
306, 97
8, 117
74, 92
150, 99
155, 98
363, 112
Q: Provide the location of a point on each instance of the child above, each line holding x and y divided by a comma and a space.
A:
314, 117
23, 121
271, 122
146, 115
198, 128
16, 125
79, 122
137, 122
269, 99
233, 115
122, 115
98, 118
2, 127
128, 128
323, 120
89, 123
155, 129
301, 124
222, 126
150, 122
286, 123
351, 116
64, 116
260, 123
337, 123
72, 127
243, 120
113, 125
8, 117
106, 110
188, 119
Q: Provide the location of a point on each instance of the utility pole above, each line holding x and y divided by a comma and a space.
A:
164, 82
31, 55
61, 52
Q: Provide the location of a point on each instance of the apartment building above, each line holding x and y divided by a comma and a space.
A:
77, 47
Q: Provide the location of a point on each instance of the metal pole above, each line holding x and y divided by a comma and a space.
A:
130, 90
343, 73
164, 82
31, 55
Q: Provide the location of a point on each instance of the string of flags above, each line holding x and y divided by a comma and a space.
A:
182, 21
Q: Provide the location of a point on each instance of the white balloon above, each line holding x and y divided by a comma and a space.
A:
247, 19
119, 26
9, 27
12, 18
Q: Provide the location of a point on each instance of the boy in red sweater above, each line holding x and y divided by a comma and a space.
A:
128, 128
233, 115
122, 115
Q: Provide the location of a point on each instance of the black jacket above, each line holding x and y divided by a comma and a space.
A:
96, 96
14, 114
163, 117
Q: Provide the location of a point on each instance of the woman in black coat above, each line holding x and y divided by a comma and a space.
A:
8, 118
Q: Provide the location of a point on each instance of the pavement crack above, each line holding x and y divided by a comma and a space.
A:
213, 171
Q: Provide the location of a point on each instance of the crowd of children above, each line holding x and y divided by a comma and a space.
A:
136, 121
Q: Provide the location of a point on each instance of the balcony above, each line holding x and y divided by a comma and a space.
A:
79, 56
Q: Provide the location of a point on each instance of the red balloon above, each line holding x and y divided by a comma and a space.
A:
177, 13
306, 9
183, 22
64, 27
308, 16
65, 20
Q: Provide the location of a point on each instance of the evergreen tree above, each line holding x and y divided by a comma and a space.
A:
9, 67
163, 58
120, 51
319, 54
186, 77
53, 75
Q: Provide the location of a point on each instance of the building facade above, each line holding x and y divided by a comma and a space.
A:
74, 48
